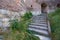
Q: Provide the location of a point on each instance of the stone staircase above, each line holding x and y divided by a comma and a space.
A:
39, 27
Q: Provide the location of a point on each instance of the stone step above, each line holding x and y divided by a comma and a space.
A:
38, 21
39, 25
39, 18
40, 28
39, 31
43, 37
41, 15
34, 32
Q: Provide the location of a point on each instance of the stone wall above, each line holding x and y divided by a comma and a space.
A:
6, 15
13, 5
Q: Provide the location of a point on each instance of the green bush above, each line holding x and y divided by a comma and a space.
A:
55, 24
57, 12
19, 29
27, 15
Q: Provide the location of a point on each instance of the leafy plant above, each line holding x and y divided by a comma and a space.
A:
55, 24
19, 29
27, 15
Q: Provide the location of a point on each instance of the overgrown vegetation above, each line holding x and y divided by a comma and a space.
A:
18, 29
55, 24
27, 15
